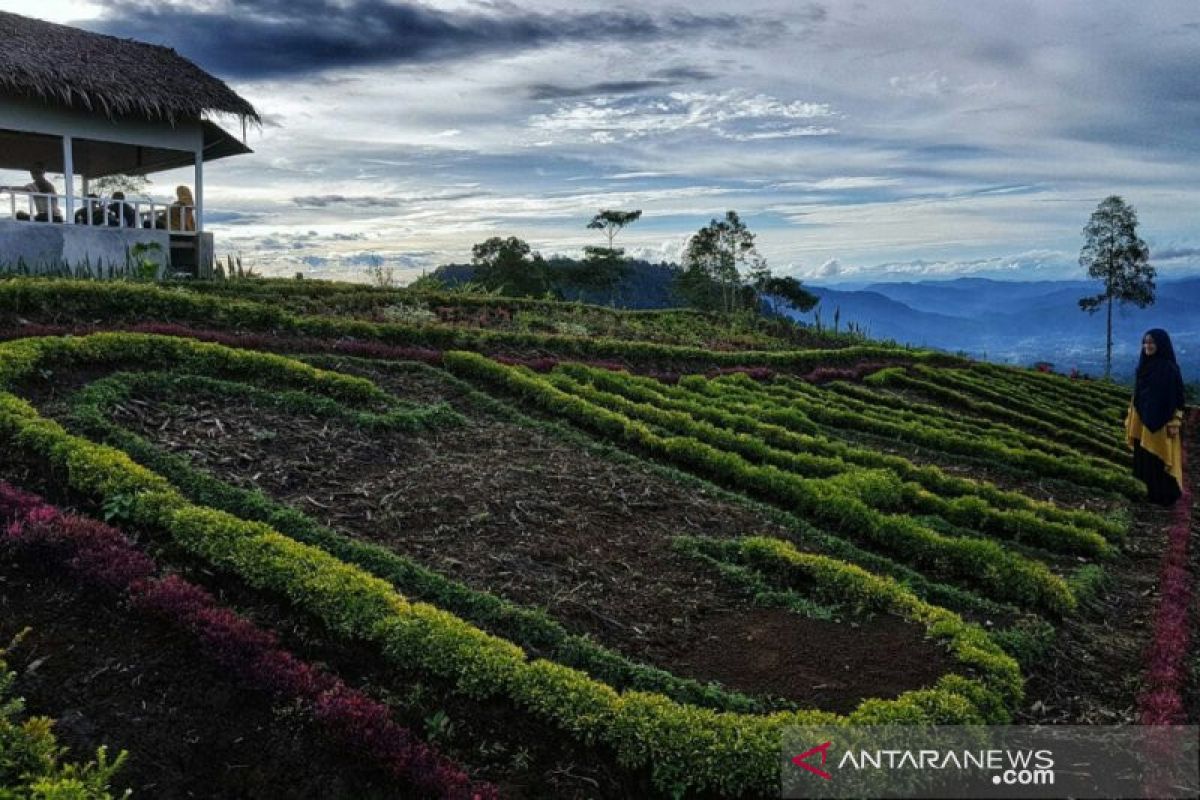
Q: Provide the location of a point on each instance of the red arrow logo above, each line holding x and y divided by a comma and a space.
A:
823, 749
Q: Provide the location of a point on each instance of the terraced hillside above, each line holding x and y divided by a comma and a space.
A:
343, 542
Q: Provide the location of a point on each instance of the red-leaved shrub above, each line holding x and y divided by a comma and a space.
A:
102, 557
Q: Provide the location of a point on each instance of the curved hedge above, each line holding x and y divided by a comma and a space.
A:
528, 627
815, 456
1075, 469
685, 747
843, 502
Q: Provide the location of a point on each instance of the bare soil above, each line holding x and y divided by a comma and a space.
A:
516, 511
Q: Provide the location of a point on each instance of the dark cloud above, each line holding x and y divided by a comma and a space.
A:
265, 38
658, 79
366, 201
551, 91
303, 240
681, 74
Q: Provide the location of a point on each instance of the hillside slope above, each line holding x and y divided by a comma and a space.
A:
550, 564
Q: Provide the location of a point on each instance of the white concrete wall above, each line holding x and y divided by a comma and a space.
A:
46, 245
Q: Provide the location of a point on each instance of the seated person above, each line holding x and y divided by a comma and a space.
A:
45, 207
90, 203
182, 214
120, 213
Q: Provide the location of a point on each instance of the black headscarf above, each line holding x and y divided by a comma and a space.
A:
1158, 391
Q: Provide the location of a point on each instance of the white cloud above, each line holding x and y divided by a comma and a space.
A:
786, 133
734, 114
830, 269
929, 84
838, 184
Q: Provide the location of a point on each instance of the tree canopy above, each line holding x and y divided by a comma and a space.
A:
509, 266
723, 271
612, 221
713, 261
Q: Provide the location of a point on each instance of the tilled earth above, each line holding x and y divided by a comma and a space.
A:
516, 511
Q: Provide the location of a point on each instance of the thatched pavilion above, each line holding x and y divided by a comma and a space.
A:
88, 106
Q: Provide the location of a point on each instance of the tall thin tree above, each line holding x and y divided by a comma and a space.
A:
1113, 253
607, 267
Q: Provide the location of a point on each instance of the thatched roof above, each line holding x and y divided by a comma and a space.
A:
102, 73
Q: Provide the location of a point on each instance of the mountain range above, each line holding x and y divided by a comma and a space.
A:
1016, 322
1010, 322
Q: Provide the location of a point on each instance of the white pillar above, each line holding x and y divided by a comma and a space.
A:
68, 178
199, 198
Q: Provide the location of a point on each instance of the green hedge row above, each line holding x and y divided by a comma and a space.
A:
934, 592
142, 303
944, 386
1020, 526
1075, 470
842, 502
668, 326
828, 580
685, 747
746, 419
1056, 387
1080, 411
767, 567
119, 387
802, 533
21, 357
1085, 413
529, 627
888, 408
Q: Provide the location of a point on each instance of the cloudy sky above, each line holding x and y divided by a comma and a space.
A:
858, 140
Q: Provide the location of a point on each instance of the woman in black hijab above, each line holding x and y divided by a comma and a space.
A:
1154, 419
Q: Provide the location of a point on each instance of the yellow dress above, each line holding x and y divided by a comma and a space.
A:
1168, 449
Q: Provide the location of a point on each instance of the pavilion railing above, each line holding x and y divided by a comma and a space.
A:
99, 212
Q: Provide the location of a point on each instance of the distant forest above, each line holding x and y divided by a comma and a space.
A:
646, 285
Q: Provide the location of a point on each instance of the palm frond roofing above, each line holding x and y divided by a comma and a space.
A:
116, 77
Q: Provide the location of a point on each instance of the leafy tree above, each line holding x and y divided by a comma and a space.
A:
789, 291
1113, 253
509, 266
606, 267
611, 222
713, 262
